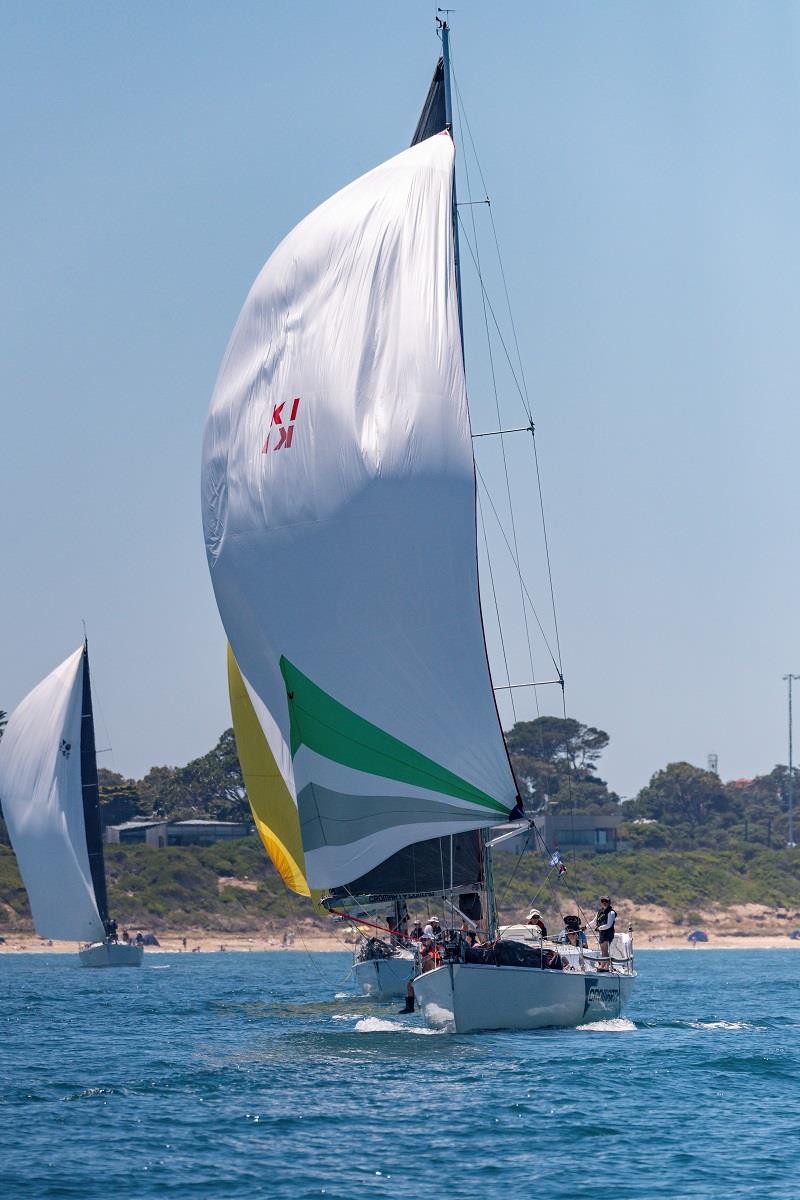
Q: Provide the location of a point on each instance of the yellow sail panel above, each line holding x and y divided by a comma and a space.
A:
273, 809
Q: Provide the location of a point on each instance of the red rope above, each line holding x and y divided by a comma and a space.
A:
381, 928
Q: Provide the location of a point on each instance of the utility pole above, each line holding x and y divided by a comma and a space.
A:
788, 679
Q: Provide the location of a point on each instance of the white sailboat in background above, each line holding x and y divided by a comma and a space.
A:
339, 511
50, 801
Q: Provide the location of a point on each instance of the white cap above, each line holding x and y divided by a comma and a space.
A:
533, 913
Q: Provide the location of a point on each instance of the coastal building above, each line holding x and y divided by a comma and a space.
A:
176, 833
567, 831
580, 830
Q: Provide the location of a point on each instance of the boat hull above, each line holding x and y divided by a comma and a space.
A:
468, 997
383, 978
111, 954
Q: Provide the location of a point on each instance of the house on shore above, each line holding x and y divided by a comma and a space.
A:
175, 833
568, 831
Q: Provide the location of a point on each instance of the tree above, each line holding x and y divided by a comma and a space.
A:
561, 741
692, 802
211, 786
119, 798
555, 760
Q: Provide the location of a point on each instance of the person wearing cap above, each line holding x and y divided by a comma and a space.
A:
534, 919
603, 925
572, 934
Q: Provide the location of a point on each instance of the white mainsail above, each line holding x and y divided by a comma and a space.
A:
339, 513
42, 799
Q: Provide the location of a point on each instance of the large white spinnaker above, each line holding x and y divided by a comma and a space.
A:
41, 790
339, 513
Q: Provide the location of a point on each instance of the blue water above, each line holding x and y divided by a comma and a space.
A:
240, 1075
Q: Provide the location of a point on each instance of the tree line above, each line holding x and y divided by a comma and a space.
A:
556, 765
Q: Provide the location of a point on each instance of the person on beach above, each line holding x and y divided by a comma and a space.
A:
603, 925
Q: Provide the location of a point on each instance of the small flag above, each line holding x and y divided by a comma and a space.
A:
562, 870
555, 859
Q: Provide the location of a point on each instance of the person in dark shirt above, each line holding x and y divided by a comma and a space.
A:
603, 925
534, 919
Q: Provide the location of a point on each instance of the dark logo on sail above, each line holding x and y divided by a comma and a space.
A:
599, 995
65, 748
281, 427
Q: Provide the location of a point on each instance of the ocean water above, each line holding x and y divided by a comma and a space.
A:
261, 1075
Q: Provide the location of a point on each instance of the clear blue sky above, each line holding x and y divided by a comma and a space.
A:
643, 168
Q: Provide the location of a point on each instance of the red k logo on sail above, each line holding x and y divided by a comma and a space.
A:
282, 426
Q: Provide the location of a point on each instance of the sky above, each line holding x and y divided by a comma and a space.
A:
642, 165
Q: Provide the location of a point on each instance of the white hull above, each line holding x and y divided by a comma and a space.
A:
383, 978
466, 997
111, 954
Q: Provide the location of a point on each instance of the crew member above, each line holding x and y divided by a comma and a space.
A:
603, 925
572, 934
534, 919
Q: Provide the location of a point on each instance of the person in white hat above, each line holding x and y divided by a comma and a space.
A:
534, 918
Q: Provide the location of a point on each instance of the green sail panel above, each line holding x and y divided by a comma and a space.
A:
335, 732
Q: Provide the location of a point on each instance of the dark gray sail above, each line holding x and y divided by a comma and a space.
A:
431, 867
433, 118
91, 795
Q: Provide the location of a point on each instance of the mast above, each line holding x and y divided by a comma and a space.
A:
448, 119
91, 794
486, 855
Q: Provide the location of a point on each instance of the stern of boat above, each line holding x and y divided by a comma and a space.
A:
111, 954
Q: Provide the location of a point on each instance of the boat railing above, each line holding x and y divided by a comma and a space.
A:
451, 946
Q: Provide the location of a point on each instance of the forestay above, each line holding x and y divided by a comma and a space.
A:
339, 514
41, 793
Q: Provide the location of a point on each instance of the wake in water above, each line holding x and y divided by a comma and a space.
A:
379, 1025
723, 1025
614, 1025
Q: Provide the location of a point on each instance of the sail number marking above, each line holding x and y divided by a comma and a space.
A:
283, 425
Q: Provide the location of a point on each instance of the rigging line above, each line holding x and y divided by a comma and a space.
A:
516, 564
465, 119
496, 607
499, 421
547, 552
490, 307
510, 879
523, 393
537, 833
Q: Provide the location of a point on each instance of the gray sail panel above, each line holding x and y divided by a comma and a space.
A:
433, 118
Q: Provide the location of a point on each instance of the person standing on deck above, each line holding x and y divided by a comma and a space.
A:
603, 925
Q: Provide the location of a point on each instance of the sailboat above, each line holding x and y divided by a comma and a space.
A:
339, 514
51, 805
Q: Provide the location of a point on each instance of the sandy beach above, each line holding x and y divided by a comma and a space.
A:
740, 927
192, 941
